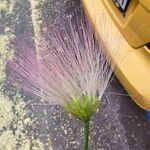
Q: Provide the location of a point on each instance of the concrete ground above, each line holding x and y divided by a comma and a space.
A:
119, 125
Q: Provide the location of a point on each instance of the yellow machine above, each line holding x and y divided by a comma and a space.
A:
129, 23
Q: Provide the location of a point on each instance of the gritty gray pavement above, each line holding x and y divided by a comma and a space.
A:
119, 125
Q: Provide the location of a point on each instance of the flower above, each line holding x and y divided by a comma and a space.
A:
69, 69
70, 64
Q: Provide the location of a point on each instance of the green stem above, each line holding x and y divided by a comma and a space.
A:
86, 134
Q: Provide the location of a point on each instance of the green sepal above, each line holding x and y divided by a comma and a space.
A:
83, 108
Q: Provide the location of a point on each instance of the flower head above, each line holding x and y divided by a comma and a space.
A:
69, 65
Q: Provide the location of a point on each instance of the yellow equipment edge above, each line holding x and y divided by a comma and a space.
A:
133, 67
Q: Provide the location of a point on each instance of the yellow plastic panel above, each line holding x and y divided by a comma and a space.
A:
132, 65
134, 24
145, 3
